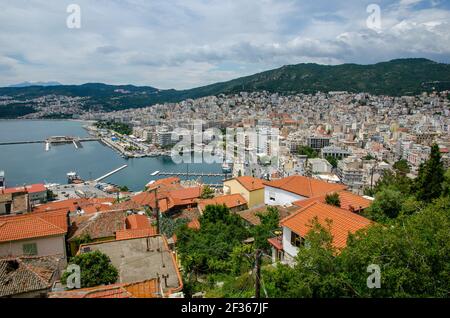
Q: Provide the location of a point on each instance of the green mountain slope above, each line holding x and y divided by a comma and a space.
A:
396, 77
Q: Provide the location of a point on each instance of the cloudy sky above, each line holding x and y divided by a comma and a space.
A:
188, 43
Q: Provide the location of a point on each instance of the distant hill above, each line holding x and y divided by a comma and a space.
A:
28, 84
396, 78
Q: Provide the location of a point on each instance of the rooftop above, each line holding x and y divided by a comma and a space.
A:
349, 201
145, 289
33, 225
304, 186
141, 259
27, 274
343, 221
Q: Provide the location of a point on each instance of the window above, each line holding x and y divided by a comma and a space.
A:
29, 249
296, 240
271, 196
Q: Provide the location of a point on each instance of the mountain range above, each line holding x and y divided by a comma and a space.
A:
396, 78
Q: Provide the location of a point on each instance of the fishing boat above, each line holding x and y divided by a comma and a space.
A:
73, 178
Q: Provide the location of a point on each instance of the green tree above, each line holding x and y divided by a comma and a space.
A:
402, 166
169, 226
387, 205
269, 222
428, 184
333, 199
307, 151
207, 193
333, 161
209, 249
446, 184
412, 251
96, 269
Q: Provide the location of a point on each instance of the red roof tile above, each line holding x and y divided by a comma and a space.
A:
250, 183
343, 221
33, 225
304, 186
230, 200
349, 201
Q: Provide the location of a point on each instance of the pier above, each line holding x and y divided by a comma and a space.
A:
110, 173
190, 174
52, 140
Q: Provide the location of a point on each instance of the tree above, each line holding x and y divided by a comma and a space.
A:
402, 166
96, 269
333, 161
392, 180
387, 205
412, 252
446, 184
428, 184
207, 193
333, 199
208, 250
169, 226
124, 189
269, 222
307, 151
368, 157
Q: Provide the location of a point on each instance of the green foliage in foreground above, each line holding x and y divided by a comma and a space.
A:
96, 269
413, 253
209, 250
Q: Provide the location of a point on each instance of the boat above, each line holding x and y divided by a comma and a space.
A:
226, 167
155, 173
73, 178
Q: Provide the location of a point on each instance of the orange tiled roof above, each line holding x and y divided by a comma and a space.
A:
88, 205
349, 201
230, 200
33, 225
168, 199
343, 221
136, 221
164, 182
135, 233
304, 186
32, 188
250, 183
145, 289
194, 224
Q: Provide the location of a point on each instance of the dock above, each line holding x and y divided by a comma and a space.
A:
190, 174
48, 140
110, 173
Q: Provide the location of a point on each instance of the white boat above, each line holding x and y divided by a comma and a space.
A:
155, 173
226, 167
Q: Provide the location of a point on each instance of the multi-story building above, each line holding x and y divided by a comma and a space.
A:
318, 142
335, 152
351, 172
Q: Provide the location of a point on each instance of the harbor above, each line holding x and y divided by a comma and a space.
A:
26, 163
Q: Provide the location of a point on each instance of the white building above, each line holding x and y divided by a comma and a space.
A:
290, 189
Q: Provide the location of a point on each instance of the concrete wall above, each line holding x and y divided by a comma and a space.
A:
287, 247
281, 197
45, 246
254, 198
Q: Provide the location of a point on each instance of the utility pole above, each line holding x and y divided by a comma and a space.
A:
258, 273
155, 190
158, 229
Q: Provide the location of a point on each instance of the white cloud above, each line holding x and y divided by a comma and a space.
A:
186, 43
